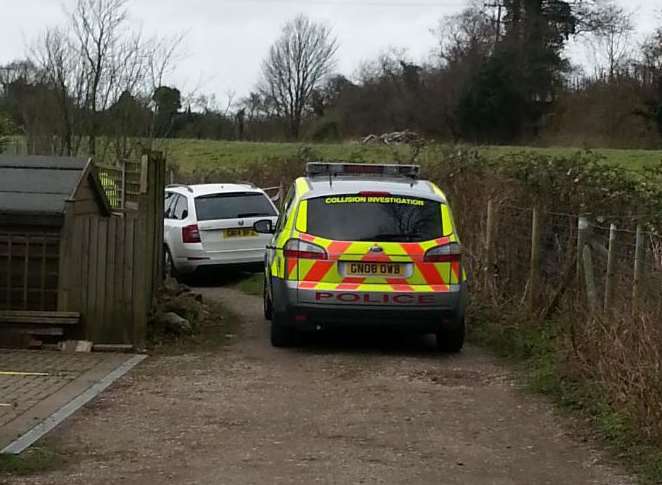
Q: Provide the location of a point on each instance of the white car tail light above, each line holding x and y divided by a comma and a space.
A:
191, 234
298, 249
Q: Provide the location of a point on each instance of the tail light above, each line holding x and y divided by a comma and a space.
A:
191, 234
450, 253
298, 249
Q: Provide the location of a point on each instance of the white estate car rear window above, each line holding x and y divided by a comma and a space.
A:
240, 205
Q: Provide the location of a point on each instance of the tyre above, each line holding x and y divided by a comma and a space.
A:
169, 270
450, 336
281, 335
267, 303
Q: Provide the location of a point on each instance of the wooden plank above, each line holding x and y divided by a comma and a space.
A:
39, 318
109, 322
90, 311
84, 266
101, 282
42, 301
128, 277
589, 277
66, 255
638, 267
610, 282
534, 269
9, 267
53, 331
139, 281
26, 271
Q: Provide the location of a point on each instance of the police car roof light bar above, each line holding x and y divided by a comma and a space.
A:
323, 169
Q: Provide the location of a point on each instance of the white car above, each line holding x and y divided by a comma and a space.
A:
209, 226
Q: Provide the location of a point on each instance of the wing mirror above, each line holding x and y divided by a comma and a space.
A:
265, 226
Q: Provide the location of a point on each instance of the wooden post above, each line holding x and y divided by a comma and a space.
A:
144, 173
490, 238
123, 200
638, 265
584, 227
534, 271
589, 277
611, 269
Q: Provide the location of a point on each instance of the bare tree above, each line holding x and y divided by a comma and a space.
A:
470, 35
63, 72
297, 63
98, 26
611, 40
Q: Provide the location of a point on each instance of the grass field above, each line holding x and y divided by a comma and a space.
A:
207, 154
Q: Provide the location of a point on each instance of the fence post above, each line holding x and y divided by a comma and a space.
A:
611, 267
123, 200
638, 264
489, 239
589, 277
583, 228
534, 272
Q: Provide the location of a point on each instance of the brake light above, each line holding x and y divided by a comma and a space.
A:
298, 249
191, 234
450, 253
374, 194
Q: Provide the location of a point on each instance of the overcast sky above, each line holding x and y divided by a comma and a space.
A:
227, 39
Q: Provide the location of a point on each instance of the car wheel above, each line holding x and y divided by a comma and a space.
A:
450, 336
169, 270
281, 335
267, 303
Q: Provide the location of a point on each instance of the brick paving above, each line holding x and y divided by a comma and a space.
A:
25, 394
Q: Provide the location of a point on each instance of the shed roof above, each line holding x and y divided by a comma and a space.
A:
40, 186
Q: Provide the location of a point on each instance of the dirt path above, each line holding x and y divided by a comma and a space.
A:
345, 412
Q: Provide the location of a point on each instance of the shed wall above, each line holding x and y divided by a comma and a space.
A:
29, 268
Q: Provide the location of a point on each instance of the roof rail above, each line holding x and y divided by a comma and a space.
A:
180, 186
325, 169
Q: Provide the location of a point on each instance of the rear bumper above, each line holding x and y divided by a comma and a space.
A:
421, 312
193, 259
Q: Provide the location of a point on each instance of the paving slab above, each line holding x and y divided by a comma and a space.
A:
39, 389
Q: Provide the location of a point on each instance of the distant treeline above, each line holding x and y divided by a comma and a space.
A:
499, 75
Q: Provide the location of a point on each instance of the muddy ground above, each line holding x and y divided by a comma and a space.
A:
345, 410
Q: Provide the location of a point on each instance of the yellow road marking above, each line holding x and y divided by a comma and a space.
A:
24, 374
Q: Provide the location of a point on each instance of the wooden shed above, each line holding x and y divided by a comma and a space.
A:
42, 199
70, 265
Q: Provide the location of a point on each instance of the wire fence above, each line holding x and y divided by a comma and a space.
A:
546, 260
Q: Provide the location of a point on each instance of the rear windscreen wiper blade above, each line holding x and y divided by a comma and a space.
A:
394, 238
252, 214
385, 237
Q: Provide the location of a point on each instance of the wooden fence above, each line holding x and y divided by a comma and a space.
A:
534, 258
118, 259
124, 182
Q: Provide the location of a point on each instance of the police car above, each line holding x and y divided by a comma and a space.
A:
364, 245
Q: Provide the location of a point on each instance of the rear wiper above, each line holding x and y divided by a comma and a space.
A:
391, 238
252, 214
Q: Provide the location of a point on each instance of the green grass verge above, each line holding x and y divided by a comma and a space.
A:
252, 285
190, 155
38, 459
535, 354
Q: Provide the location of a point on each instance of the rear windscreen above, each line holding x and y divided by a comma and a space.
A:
374, 218
233, 206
